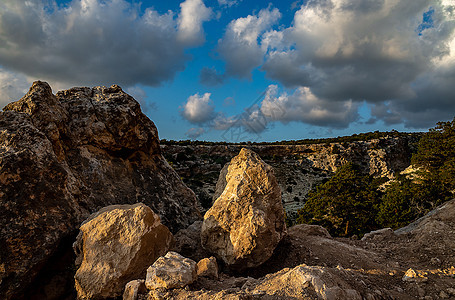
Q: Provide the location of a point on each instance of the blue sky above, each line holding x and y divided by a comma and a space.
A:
230, 70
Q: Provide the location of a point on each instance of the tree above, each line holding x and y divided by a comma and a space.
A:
345, 205
436, 156
408, 199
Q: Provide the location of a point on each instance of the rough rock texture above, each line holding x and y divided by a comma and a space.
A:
246, 222
171, 271
207, 267
64, 157
303, 279
416, 262
133, 289
114, 246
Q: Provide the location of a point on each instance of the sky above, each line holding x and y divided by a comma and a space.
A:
238, 70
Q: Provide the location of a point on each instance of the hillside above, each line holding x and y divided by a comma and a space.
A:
298, 167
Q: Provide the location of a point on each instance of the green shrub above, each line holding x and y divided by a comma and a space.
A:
346, 204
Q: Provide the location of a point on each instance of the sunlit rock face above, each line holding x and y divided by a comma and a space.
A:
115, 246
63, 157
246, 222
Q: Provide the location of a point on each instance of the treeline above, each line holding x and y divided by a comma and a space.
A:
340, 139
352, 203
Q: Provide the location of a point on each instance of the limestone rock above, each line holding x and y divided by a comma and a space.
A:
171, 271
114, 246
246, 222
63, 157
133, 289
412, 275
303, 280
303, 230
207, 267
381, 234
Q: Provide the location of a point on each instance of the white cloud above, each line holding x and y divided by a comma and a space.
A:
239, 47
92, 42
304, 106
369, 50
193, 14
198, 109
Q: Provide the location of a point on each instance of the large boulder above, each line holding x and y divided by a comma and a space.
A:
171, 271
65, 156
246, 222
115, 246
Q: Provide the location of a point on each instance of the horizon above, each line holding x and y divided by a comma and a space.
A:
238, 71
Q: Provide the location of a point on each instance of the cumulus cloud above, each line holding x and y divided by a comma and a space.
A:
276, 106
193, 14
388, 53
303, 106
198, 109
239, 46
98, 42
397, 55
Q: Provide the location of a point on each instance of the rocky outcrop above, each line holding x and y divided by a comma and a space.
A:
114, 246
246, 222
171, 271
298, 167
63, 157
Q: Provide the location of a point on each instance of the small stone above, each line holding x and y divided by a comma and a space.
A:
443, 295
207, 267
171, 271
414, 276
436, 261
133, 289
420, 291
451, 291
378, 234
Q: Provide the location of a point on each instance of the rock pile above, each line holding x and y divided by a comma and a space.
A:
65, 156
246, 222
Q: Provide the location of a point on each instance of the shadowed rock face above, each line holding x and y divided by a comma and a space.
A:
246, 222
63, 157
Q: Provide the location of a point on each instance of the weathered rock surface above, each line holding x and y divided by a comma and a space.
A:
207, 267
171, 271
246, 222
303, 280
114, 246
133, 289
63, 157
309, 264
